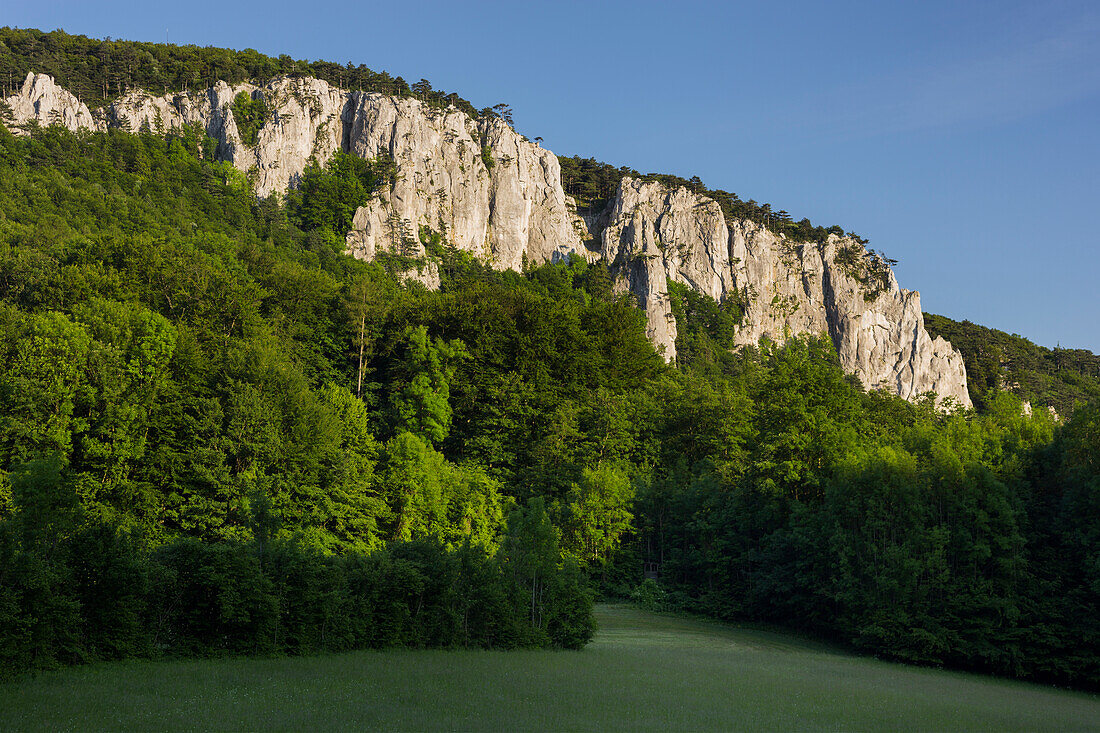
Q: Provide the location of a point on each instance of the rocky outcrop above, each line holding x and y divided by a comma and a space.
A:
41, 100
837, 288
305, 122
485, 189
654, 234
478, 183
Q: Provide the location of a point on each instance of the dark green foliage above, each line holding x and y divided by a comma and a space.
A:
99, 71
250, 113
930, 538
327, 198
550, 596
1058, 378
591, 182
705, 329
650, 595
869, 268
1064, 539
99, 594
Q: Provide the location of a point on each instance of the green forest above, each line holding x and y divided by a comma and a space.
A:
219, 434
222, 435
1058, 378
99, 71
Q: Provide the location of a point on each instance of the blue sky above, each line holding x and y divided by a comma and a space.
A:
961, 138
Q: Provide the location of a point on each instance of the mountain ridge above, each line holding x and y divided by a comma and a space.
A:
489, 191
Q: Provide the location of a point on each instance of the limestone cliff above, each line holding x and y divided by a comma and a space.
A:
41, 100
305, 121
489, 191
485, 188
654, 235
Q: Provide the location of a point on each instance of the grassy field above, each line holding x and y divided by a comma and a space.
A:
643, 672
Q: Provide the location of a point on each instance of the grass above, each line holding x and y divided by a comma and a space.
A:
642, 672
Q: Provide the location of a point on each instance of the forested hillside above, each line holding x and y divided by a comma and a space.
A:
221, 434
1058, 378
187, 465
204, 398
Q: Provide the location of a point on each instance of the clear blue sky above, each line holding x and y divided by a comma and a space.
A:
960, 137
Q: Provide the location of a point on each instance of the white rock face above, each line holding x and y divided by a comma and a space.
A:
529, 213
484, 187
43, 101
654, 235
440, 183
305, 122
503, 212
786, 288
490, 192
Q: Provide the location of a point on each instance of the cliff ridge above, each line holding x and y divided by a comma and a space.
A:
487, 190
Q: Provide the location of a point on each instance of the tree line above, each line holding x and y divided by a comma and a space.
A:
100, 71
592, 183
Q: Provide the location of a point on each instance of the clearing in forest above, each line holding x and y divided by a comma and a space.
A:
642, 672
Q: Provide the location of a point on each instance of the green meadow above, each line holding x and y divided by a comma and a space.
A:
642, 672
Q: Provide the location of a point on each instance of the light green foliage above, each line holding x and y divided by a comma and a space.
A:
413, 486
7, 506
596, 513
423, 405
430, 497
354, 504
810, 418
44, 383
235, 180
476, 508
530, 553
127, 368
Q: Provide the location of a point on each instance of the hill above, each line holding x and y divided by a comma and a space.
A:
480, 187
995, 360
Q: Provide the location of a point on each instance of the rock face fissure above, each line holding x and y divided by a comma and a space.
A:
491, 192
